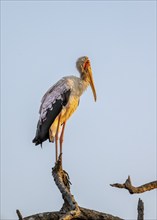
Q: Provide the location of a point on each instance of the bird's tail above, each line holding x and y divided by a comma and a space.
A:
40, 137
36, 141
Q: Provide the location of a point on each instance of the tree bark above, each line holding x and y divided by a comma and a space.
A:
70, 207
85, 214
140, 189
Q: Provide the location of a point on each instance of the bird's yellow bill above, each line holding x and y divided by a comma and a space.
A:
91, 81
87, 68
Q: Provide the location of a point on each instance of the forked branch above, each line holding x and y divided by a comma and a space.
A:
140, 189
70, 209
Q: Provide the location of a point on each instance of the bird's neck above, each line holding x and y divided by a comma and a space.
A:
79, 85
83, 84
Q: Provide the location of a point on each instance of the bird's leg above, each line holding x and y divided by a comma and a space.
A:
61, 139
56, 137
56, 145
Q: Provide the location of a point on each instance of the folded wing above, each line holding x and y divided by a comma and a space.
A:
51, 105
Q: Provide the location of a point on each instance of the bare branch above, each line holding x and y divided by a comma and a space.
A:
140, 189
86, 214
70, 207
140, 209
19, 214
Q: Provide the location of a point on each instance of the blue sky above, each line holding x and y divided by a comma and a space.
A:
104, 141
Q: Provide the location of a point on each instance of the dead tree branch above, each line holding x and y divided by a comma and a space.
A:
61, 178
85, 214
140, 189
70, 209
19, 214
140, 209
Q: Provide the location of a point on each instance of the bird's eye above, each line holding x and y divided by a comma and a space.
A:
86, 65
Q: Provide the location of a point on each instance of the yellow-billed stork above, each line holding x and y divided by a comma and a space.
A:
59, 103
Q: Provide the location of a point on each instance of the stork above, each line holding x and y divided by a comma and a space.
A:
60, 102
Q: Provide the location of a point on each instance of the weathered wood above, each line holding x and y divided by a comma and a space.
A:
70, 209
140, 189
19, 214
140, 209
85, 214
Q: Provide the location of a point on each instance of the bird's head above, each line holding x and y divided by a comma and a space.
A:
84, 67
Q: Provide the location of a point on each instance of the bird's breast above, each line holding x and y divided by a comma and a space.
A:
69, 109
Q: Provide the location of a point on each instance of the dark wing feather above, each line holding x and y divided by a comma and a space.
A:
51, 105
